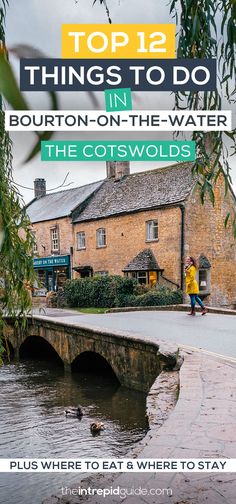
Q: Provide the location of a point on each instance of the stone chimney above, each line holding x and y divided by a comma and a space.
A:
117, 169
39, 187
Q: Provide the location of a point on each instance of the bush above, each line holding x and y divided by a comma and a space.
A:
61, 298
99, 292
125, 300
160, 296
116, 291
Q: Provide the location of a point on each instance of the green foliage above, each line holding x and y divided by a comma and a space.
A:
200, 36
16, 263
4, 4
207, 29
16, 240
116, 291
159, 297
16, 243
98, 292
9, 89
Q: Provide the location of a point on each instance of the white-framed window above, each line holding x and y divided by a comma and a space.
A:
101, 238
35, 244
81, 240
35, 247
151, 230
101, 273
142, 277
55, 239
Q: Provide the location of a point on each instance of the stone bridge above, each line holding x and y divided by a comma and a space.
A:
135, 363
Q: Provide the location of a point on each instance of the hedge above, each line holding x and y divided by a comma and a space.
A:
160, 296
116, 291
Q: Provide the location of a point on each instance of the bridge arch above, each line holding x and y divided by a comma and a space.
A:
37, 347
136, 363
94, 363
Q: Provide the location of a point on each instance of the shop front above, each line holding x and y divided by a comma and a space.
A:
52, 273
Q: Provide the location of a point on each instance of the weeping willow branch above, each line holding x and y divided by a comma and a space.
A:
207, 29
106, 8
16, 240
16, 263
104, 3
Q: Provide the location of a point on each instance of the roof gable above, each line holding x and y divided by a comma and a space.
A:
60, 204
144, 261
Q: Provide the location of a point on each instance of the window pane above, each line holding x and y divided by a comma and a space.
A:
142, 277
55, 239
101, 237
81, 240
203, 280
152, 230
101, 273
35, 245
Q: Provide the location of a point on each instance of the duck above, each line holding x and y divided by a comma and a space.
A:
74, 412
96, 427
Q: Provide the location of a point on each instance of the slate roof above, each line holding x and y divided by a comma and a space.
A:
59, 204
140, 191
144, 261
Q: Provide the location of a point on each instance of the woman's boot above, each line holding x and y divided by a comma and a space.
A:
204, 311
192, 312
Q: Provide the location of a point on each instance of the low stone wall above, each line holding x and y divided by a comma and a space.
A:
179, 307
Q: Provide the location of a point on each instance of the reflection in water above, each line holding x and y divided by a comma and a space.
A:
33, 396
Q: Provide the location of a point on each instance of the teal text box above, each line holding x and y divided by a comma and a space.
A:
108, 150
118, 99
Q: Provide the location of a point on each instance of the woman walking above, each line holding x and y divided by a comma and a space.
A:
192, 286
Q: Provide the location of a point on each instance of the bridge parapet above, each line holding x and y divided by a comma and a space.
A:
136, 362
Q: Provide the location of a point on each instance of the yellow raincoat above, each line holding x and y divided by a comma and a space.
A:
191, 282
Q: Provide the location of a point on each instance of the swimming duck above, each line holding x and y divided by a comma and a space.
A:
96, 427
74, 412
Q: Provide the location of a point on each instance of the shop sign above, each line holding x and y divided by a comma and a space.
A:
52, 261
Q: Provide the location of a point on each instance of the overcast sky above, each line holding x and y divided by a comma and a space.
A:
38, 23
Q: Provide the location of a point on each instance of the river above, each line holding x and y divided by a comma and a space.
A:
33, 396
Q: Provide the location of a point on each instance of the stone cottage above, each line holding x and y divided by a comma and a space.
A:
144, 224
51, 219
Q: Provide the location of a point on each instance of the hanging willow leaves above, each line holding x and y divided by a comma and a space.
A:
16, 263
200, 36
106, 8
10, 91
104, 3
16, 241
207, 29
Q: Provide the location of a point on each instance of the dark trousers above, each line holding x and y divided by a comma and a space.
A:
194, 298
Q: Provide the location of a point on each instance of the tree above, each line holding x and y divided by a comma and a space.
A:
207, 29
16, 241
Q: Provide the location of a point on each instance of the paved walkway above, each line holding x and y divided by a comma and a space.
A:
203, 423
214, 333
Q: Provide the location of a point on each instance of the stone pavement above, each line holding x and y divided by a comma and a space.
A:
203, 422
202, 425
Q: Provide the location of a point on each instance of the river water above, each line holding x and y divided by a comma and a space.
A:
33, 396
